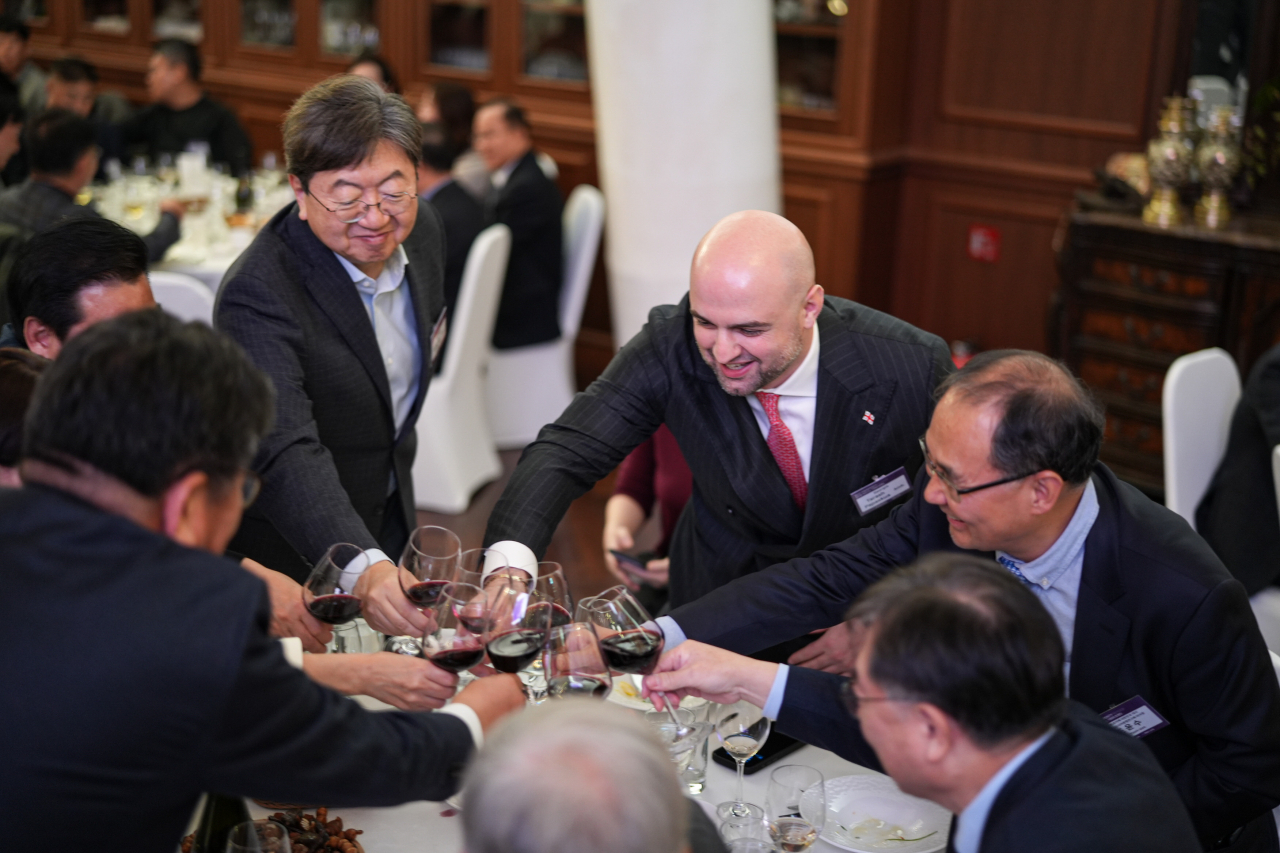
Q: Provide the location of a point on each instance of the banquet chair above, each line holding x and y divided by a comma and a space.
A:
456, 452
1200, 394
530, 386
183, 296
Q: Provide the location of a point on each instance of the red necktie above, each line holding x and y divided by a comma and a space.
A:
783, 448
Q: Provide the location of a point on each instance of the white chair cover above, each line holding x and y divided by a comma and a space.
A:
1200, 394
530, 386
183, 296
456, 453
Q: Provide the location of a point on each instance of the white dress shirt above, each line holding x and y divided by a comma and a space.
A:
797, 404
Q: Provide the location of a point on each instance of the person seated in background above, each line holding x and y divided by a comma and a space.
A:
19, 370
579, 776
654, 471
529, 203
958, 694
135, 472
451, 105
20, 75
72, 85
370, 65
181, 116
1237, 515
63, 153
461, 214
1145, 609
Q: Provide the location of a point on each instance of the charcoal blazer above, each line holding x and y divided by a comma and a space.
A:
1158, 616
329, 459
1237, 515
741, 517
529, 203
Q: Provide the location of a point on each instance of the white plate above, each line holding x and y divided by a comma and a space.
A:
626, 692
854, 799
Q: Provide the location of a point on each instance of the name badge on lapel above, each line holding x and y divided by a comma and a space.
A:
438, 332
880, 491
1135, 717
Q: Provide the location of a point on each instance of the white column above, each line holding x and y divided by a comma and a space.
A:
686, 133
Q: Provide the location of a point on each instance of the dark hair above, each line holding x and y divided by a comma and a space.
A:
57, 263
11, 110
146, 399
512, 113
1049, 420
438, 152
384, 68
457, 110
961, 633
56, 140
19, 370
180, 52
340, 121
73, 69
11, 24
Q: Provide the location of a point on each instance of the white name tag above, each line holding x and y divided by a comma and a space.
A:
880, 491
437, 334
1135, 717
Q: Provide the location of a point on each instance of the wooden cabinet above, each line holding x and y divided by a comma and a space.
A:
1134, 298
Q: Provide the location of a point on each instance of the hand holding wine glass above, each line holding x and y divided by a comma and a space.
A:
795, 807
742, 729
430, 560
573, 662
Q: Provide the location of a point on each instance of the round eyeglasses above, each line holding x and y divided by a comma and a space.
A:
351, 212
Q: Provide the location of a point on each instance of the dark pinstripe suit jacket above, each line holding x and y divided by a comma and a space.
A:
741, 517
327, 463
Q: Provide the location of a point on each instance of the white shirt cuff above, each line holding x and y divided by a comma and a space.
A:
773, 704
377, 555
469, 716
518, 555
292, 648
672, 636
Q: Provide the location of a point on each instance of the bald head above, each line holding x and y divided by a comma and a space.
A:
754, 300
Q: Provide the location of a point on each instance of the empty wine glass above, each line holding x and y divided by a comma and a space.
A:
746, 826
258, 836
749, 845
795, 807
518, 623
329, 593
430, 560
573, 662
742, 728
461, 618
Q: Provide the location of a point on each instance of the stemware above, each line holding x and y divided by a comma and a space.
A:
630, 641
795, 807
474, 563
258, 836
745, 826
461, 618
518, 623
742, 729
430, 560
329, 593
573, 663
551, 583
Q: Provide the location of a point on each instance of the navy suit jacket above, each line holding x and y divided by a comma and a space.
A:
529, 308
1158, 616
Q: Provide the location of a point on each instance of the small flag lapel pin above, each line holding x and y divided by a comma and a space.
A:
868, 417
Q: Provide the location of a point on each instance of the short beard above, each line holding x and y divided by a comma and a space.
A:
768, 373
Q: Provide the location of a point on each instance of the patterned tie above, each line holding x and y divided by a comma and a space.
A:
783, 448
1013, 567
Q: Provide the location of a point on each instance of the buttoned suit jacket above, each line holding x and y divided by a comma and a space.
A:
529, 203
876, 376
162, 683
328, 461
1158, 616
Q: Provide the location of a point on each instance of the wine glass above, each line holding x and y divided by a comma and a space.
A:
746, 826
429, 561
742, 728
795, 807
461, 618
573, 662
551, 583
749, 845
329, 593
473, 564
518, 623
258, 836
630, 640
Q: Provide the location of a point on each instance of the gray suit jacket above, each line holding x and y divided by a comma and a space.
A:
328, 461
741, 517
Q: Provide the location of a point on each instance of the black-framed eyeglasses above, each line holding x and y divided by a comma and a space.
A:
932, 468
852, 700
351, 212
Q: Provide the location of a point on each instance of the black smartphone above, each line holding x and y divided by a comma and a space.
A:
777, 746
628, 562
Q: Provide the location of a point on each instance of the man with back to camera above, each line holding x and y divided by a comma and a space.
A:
63, 152
182, 116
138, 443
1147, 613
957, 693
849, 389
529, 203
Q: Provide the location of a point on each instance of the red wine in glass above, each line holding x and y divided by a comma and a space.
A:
514, 650
457, 660
425, 593
559, 616
329, 591
578, 685
429, 561
634, 651
335, 609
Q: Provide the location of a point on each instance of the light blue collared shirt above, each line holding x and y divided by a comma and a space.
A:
1055, 575
973, 820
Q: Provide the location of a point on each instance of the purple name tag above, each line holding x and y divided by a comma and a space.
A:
880, 491
1135, 717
